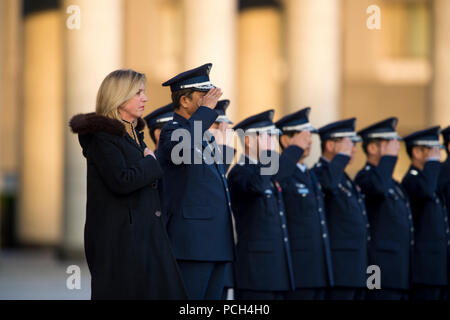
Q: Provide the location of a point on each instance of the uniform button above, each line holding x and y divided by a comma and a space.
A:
364, 212
368, 226
229, 203
412, 229
283, 226
281, 213
320, 209
407, 205
322, 222
369, 238
324, 235
437, 201
158, 213
410, 217
286, 239
445, 219
448, 230
303, 195
412, 242
448, 242
223, 176
360, 200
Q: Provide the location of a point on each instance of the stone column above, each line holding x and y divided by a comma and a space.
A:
209, 28
41, 122
440, 106
10, 102
314, 60
92, 52
260, 61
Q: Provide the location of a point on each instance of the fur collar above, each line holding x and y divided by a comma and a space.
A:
91, 123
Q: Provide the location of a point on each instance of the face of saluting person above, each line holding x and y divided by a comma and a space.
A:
134, 108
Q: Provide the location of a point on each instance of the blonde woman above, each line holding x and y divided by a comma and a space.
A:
126, 245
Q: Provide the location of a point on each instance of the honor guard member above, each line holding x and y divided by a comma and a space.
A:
444, 185
156, 121
430, 273
219, 130
263, 264
305, 210
392, 234
345, 211
444, 177
199, 206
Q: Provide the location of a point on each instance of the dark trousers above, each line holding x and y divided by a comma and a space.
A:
421, 292
203, 280
345, 293
259, 295
387, 294
306, 294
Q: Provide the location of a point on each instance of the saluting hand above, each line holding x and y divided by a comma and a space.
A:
344, 146
434, 152
301, 139
390, 148
211, 98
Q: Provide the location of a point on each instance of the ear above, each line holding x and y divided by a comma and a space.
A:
416, 153
184, 102
284, 140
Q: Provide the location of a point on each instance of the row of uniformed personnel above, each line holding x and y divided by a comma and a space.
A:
302, 233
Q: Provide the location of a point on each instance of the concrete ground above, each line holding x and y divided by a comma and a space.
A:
38, 275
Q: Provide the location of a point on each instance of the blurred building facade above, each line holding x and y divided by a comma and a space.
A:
284, 55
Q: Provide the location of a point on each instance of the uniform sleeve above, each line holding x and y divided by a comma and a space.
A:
424, 184
204, 116
375, 182
288, 162
244, 181
331, 175
112, 167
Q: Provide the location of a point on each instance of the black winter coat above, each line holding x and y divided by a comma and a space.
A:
127, 248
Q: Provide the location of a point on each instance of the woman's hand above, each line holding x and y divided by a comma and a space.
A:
148, 152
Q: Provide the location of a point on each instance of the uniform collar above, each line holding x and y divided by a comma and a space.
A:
302, 167
179, 118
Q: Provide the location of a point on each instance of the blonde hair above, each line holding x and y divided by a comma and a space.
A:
116, 89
